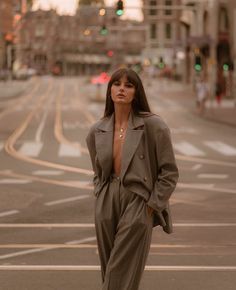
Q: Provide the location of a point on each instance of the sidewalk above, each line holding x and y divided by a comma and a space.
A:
223, 113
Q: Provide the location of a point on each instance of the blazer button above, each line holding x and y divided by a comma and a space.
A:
141, 156
145, 178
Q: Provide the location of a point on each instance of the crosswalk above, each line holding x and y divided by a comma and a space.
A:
202, 148
188, 149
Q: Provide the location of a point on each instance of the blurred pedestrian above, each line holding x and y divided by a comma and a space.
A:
202, 92
134, 176
219, 92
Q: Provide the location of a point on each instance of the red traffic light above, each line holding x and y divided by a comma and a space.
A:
110, 53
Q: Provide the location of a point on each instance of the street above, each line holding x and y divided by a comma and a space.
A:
47, 238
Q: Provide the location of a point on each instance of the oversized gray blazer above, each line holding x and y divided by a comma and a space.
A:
148, 165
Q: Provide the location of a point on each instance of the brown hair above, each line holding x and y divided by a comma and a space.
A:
139, 103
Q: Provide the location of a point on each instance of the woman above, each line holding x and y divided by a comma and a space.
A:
134, 175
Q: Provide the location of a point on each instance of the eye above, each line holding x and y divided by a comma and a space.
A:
116, 83
129, 85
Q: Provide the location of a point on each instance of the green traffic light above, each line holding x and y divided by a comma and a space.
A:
104, 31
119, 12
198, 67
161, 65
225, 67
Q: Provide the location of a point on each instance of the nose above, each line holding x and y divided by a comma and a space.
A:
122, 86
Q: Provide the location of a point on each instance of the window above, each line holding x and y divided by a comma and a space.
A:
39, 31
153, 31
168, 3
168, 31
154, 10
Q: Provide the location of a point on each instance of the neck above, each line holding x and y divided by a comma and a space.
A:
122, 116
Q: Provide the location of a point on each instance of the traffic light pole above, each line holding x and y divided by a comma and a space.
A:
9, 52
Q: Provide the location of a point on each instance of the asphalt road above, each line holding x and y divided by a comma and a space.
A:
47, 237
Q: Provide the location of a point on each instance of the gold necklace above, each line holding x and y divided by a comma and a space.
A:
121, 135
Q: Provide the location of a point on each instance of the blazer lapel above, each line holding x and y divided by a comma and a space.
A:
104, 144
133, 136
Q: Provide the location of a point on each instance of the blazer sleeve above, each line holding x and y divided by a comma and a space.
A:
167, 175
90, 140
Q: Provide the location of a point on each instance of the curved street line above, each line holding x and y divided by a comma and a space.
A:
9, 144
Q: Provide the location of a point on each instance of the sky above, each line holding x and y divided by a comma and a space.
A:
69, 6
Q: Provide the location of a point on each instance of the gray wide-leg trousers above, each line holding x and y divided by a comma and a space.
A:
124, 230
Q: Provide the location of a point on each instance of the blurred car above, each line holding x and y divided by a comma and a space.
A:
24, 73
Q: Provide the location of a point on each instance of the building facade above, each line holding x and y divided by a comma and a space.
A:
11, 12
6, 31
210, 41
91, 41
164, 37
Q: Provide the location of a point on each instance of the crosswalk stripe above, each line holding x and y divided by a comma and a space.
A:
221, 147
7, 213
188, 149
31, 149
47, 172
68, 151
14, 181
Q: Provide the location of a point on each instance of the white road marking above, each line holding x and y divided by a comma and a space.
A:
208, 187
66, 200
97, 268
81, 245
196, 167
26, 252
31, 149
205, 225
91, 239
14, 181
68, 151
47, 172
79, 183
209, 175
91, 225
38, 136
7, 213
188, 149
221, 147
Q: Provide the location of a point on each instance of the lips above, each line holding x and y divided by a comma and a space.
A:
120, 95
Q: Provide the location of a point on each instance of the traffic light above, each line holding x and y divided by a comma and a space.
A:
104, 30
110, 53
226, 66
198, 63
161, 63
119, 8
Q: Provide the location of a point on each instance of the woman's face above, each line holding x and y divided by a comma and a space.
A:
122, 91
